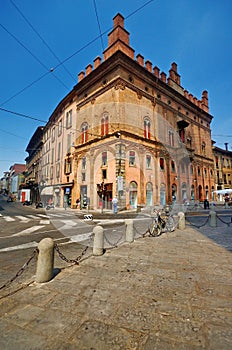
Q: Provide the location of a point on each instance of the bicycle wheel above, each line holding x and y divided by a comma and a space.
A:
170, 224
155, 229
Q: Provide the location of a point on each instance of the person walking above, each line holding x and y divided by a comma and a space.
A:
115, 205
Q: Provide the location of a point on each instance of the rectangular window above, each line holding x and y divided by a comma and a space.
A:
51, 172
104, 158
104, 174
148, 161
83, 163
161, 163
53, 134
131, 158
68, 165
59, 151
171, 137
83, 177
69, 119
52, 160
173, 167
68, 143
58, 170
182, 135
60, 128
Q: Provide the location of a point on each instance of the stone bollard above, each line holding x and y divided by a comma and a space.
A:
181, 222
45, 261
129, 230
98, 241
213, 218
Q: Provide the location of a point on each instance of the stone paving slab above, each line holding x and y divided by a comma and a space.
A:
168, 292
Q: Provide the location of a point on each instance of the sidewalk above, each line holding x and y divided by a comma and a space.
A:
169, 292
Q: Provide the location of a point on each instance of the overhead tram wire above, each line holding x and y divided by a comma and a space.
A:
42, 39
98, 22
34, 56
71, 56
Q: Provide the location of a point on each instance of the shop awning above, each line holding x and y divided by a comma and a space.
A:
47, 191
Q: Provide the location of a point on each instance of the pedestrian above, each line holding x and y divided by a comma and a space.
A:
78, 203
227, 202
115, 205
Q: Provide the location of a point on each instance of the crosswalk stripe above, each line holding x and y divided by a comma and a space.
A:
8, 218
44, 222
22, 218
27, 231
33, 217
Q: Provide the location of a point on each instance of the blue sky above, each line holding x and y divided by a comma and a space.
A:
195, 34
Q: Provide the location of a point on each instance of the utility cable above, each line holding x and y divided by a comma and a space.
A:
42, 39
31, 53
98, 22
72, 55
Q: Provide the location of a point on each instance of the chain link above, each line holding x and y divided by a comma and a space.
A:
199, 226
116, 243
75, 261
141, 234
21, 270
224, 222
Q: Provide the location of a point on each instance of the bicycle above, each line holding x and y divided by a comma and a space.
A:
161, 221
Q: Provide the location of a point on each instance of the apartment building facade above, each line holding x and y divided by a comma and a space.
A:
222, 167
127, 130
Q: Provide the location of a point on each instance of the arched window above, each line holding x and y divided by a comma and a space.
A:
84, 132
133, 188
149, 194
147, 128
184, 192
203, 147
104, 125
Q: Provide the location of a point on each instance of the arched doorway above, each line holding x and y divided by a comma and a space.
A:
200, 193
133, 194
192, 193
149, 194
184, 192
163, 194
206, 192
174, 193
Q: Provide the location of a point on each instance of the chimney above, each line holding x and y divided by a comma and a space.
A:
140, 60
163, 77
81, 76
156, 71
118, 39
97, 62
173, 75
148, 66
205, 98
226, 146
89, 69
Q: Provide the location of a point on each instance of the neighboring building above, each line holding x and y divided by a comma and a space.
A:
127, 130
4, 183
222, 168
34, 149
16, 177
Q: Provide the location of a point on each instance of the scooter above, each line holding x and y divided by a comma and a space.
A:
50, 206
27, 203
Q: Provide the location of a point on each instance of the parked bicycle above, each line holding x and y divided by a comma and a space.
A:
162, 221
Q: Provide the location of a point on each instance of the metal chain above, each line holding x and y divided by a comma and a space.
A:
141, 234
75, 261
21, 270
199, 226
113, 244
224, 222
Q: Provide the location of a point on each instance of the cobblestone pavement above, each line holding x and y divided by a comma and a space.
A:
169, 292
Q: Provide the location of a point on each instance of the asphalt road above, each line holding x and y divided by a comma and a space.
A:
23, 227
